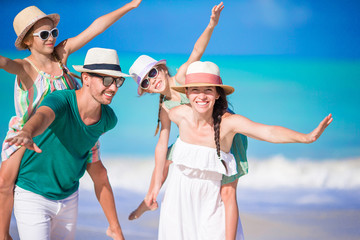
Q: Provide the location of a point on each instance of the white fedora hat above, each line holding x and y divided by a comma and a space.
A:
141, 68
103, 61
25, 19
203, 74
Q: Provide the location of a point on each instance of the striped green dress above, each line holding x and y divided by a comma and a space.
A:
27, 101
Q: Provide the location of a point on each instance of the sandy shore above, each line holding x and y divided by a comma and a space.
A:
278, 225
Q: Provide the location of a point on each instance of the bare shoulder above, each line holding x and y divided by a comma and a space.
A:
231, 117
233, 120
179, 112
22, 68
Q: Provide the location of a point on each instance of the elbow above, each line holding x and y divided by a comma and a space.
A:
103, 175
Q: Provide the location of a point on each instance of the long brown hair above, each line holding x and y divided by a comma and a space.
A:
220, 108
162, 97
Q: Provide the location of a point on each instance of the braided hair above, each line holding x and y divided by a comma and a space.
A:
220, 108
63, 67
162, 97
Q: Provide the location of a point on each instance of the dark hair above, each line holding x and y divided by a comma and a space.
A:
162, 98
220, 108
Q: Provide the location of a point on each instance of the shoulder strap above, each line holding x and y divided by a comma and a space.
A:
32, 64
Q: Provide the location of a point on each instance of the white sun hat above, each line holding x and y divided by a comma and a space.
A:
25, 19
103, 61
141, 68
203, 74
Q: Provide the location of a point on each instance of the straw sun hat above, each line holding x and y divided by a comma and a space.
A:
203, 74
26, 19
101, 60
141, 68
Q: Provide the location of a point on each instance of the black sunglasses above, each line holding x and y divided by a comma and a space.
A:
107, 80
146, 82
45, 34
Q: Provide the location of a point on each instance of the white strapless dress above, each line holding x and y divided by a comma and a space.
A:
192, 208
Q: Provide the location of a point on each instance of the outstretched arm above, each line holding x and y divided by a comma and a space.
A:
105, 196
65, 48
12, 66
36, 125
161, 149
201, 43
276, 134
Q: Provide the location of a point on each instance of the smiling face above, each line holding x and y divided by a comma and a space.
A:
203, 98
98, 91
160, 82
35, 43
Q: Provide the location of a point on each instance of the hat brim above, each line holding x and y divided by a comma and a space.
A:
162, 61
54, 17
113, 73
228, 89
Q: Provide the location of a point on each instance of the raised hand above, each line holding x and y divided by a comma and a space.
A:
316, 133
215, 14
24, 139
135, 3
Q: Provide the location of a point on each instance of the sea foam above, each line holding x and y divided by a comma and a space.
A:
134, 174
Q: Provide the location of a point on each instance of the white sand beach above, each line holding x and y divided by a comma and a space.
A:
282, 224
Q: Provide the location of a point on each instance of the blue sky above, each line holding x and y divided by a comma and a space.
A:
328, 31
320, 29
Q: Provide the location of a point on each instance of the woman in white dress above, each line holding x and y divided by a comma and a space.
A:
192, 206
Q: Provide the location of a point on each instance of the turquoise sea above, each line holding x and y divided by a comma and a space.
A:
293, 92
295, 191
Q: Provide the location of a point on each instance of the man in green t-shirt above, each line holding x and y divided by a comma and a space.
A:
58, 138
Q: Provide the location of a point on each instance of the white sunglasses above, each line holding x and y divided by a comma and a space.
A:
45, 34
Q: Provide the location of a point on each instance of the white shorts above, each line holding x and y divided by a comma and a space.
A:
43, 219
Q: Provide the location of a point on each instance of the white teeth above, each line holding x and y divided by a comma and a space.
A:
201, 103
108, 94
158, 85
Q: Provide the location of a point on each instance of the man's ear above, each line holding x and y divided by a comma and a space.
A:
85, 79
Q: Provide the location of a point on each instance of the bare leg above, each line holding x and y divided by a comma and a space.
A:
8, 172
228, 196
142, 208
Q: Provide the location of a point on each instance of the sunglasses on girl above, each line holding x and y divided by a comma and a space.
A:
146, 82
107, 80
45, 34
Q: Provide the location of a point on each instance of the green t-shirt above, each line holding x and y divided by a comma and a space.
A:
65, 146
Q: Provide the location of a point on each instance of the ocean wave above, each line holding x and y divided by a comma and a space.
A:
134, 174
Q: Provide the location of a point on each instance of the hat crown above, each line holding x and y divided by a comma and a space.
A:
203, 67
101, 56
26, 17
102, 61
141, 66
